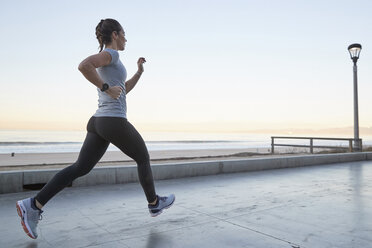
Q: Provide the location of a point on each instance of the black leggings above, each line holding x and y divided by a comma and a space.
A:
101, 132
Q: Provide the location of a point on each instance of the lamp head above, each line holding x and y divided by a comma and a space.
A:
354, 50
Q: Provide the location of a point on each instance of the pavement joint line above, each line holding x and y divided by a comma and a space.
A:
170, 230
262, 233
41, 237
227, 218
247, 228
99, 244
164, 231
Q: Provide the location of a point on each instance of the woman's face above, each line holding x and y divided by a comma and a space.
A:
121, 40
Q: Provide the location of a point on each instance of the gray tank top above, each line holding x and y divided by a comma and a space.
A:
114, 74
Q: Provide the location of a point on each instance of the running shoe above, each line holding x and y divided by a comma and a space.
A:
29, 217
163, 202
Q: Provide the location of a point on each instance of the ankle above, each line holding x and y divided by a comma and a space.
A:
38, 205
154, 202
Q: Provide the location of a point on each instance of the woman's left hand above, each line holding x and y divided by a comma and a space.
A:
140, 63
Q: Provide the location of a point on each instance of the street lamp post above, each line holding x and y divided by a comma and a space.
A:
354, 50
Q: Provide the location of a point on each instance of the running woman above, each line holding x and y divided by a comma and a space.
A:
108, 125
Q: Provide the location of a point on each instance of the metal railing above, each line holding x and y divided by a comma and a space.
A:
312, 146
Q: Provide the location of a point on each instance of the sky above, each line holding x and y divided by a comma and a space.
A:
233, 65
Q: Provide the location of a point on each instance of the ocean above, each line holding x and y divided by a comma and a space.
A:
71, 141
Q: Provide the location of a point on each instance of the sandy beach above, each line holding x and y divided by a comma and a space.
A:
28, 161
32, 161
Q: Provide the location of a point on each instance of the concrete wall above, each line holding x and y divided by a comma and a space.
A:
14, 181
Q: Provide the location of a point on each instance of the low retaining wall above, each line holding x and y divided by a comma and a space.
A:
16, 181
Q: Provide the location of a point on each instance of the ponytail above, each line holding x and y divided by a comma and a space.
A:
104, 31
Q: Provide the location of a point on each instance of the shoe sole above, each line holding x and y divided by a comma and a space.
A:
21, 213
161, 211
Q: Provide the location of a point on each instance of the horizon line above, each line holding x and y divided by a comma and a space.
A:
216, 130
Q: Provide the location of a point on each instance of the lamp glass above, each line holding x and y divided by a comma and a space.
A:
354, 52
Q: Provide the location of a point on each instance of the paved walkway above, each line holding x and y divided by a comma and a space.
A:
318, 206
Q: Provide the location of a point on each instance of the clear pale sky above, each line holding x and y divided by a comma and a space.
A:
211, 65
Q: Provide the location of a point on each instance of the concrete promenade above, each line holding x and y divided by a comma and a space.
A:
317, 206
19, 180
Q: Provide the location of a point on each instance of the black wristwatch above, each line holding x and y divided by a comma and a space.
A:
104, 87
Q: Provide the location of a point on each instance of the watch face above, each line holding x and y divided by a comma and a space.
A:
104, 87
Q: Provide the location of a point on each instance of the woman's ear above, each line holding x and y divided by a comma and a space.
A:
114, 35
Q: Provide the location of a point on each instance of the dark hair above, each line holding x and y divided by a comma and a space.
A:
104, 30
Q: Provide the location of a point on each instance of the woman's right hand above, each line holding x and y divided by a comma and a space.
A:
114, 92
